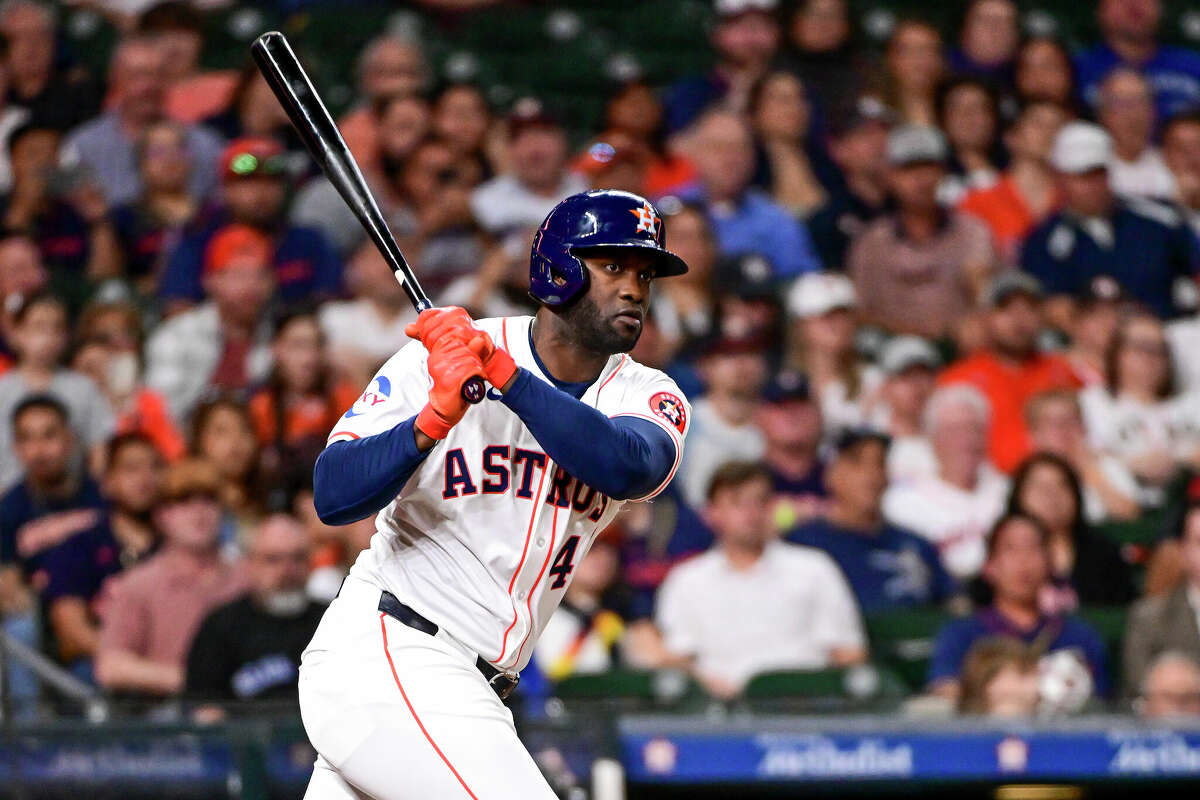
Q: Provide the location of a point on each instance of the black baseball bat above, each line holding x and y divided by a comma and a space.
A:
290, 83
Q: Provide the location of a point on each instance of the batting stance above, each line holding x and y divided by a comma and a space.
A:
484, 510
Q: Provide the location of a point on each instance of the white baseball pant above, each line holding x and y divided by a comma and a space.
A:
396, 714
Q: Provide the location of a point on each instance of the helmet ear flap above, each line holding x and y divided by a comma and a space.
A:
556, 276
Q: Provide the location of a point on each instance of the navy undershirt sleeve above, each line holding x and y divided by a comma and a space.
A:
354, 479
623, 457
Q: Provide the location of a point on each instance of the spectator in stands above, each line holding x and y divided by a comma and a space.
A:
11, 118
999, 679
1011, 369
363, 332
49, 88
710, 608
745, 38
192, 94
920, 256
22, 275
1167, 622
1092, 324
301, 399
39, 338
1171, 688
823, 305
743, 218
1181, 152
1184, 336
106, 144
390, 66
914, 65
734, 371
537, 148
1025, 193
254, 191
886, 566
909, 365
1055, 422
248, 649
1044, 74
222, 344
987, 40
969, 113
1018, 570
685, 310
163, 208
222, 434
1138, 415
822, 52
956, 505
59, 207
791, 164
790, 420
1145, 246
1126, 110
462, 119
253, 112
74, 572
635, 113
153, 610
858, 146
1085, 567
1130, 30
587, 632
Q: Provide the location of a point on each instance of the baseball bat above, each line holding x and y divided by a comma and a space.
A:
291, 85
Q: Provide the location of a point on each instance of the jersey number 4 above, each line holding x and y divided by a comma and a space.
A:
564, 563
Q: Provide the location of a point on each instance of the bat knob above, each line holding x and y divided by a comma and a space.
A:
473, 391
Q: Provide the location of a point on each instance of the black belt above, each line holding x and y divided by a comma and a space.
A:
502, 682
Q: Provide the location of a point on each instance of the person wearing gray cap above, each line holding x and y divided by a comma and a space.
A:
917, 270
1146, 246
1011, 369
909, 365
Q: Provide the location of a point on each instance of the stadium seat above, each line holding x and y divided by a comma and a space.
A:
902, 640
639, 687
1109, 622
870, 685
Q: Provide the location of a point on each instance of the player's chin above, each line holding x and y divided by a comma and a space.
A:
626, 330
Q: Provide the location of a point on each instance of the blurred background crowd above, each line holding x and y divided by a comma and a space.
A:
940, 332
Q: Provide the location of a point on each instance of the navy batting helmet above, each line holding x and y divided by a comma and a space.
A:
604, 218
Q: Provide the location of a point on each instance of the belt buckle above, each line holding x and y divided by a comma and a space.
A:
503, 683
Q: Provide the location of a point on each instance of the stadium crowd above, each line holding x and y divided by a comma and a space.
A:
941, 336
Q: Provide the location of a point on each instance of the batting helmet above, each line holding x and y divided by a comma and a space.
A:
604, 218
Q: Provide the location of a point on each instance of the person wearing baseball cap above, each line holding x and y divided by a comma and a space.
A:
949, 250
1010, 369
1098, 310
254, 193
225, 341
790, 420
1146, 246
909, 365
745, 38
888, 567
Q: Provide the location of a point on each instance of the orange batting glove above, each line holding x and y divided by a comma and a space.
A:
498, 365
433, 324
450, 365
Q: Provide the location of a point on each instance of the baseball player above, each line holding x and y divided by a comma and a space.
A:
484, 511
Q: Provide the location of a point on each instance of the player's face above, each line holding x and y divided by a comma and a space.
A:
609, 318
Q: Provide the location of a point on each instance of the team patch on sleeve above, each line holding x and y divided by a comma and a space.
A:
670, 408
378, 392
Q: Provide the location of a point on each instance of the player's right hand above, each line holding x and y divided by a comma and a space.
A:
435, 324
451, 364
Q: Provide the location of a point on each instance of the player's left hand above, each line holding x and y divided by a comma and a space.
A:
498, 366
451, 364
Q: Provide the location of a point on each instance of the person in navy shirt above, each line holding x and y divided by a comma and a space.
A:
254, 189
1018, 569
1130, 28
888, 567
744, 219
1147, 247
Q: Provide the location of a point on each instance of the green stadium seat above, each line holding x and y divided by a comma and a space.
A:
1109, 622
902, 640
870, 685
636, 687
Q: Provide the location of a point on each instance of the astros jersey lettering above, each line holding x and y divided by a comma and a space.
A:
485, 535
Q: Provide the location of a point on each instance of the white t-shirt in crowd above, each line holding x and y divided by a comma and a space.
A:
355, 325
1184, 337
713, 442
839, 411
788, 611
910, 458
1145, 176
955, 520
1128, 429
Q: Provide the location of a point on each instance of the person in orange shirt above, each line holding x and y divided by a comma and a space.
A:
1010, 369
1025, 193
301, 400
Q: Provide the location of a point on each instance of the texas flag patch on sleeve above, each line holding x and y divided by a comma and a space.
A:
669, 407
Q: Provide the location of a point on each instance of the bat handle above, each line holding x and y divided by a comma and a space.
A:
472, 391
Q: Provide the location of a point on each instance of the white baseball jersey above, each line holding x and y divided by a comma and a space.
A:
464, 543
